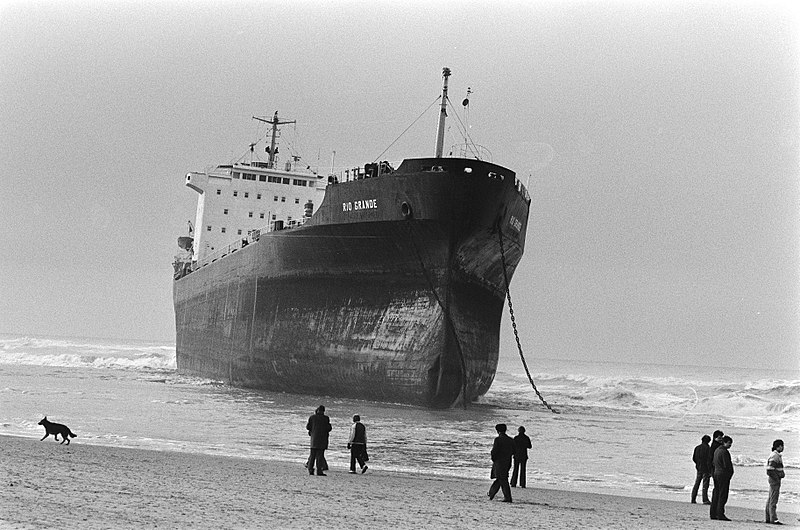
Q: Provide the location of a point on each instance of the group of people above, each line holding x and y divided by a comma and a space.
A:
715, 461
506, 450
319, 428
711, 461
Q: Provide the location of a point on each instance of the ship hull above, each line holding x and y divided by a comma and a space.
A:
398, 302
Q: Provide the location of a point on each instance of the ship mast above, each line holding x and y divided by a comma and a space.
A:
442, 115
274, 122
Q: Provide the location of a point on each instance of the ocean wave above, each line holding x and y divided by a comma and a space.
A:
769, 403
96, 353
143, 361
748, 461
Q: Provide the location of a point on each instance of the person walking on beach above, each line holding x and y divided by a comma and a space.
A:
774, 475
357, 444
702, 463
318, 426
723, 472
521, 445
502, 452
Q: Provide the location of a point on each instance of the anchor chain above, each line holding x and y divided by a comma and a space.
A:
514, 322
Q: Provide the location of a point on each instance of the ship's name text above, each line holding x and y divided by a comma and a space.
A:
515, 223
369, 204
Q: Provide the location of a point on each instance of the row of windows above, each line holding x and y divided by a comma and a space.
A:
258, 196
239, 231
250, 214
270, 178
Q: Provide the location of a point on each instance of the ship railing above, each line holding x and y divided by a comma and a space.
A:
384, 168
367, 171
522, 190
251, 237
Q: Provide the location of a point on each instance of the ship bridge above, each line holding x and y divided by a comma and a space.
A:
237, 199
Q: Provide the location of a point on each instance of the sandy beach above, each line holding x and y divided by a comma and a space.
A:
45, 484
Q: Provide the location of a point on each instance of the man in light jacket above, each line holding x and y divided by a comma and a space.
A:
357, 444
774, 475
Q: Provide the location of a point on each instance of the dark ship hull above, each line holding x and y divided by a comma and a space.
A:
392, 291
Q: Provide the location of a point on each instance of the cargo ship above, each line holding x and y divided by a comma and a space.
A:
376, 283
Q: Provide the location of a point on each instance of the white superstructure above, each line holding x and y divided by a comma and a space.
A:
240, 198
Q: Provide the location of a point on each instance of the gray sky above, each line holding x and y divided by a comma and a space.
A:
659, 141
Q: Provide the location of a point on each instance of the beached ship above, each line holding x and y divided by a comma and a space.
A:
377, 283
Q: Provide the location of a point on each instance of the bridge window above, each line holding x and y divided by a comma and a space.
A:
258, 196
246, 195
223, 229
225, 211
235, 193
250, 214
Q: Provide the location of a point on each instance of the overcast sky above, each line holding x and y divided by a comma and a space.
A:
659, 141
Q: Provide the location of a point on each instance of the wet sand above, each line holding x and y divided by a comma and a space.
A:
45, 484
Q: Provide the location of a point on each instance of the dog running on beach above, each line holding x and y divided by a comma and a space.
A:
55, 429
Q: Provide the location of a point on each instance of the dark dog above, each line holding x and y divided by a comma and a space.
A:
55, 429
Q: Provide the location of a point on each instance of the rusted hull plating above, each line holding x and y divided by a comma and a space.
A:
400, 306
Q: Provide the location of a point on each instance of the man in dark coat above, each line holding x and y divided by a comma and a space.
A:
318, 426
702, 465
521, 445
502, 451
723, 472
716, 442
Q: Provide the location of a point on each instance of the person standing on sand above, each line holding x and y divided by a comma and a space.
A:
702, 464
716, 442
521, 445
357, 444
502, 452
723, 472
318, 426
774, 474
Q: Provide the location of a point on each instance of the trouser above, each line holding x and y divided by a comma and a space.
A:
519, 471
720, 496
356, 453
704, 478
316, 458
772, 500
500, 482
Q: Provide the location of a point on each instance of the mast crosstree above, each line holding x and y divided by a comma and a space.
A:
274, 122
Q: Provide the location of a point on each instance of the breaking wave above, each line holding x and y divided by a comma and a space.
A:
94, 353
769, 403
